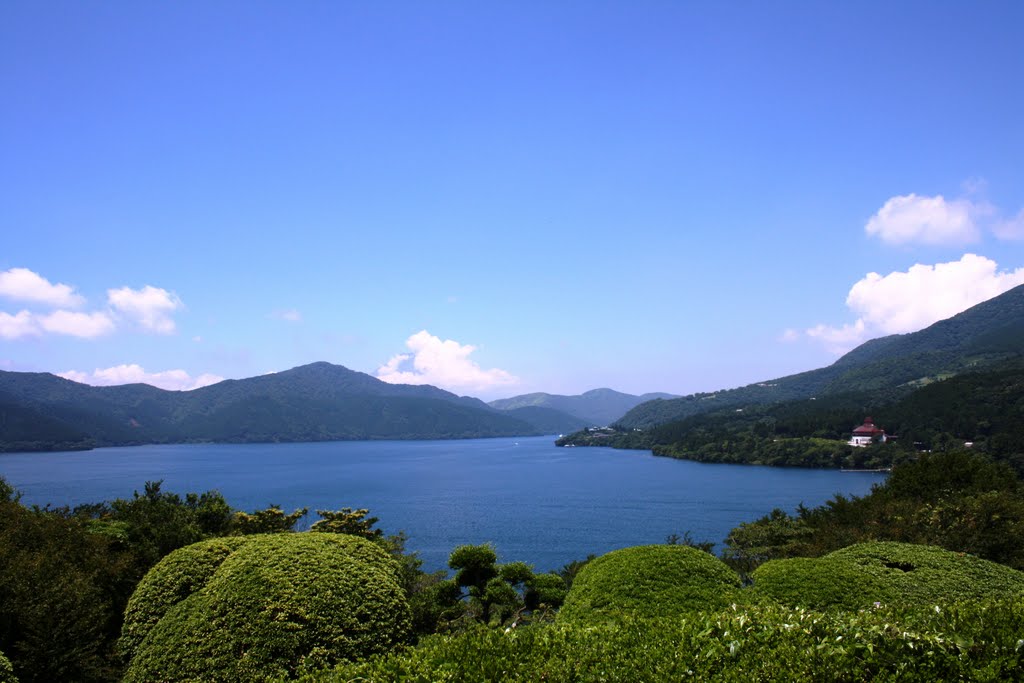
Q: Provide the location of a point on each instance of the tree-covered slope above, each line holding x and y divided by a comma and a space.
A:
596, 407
987, 334
984, 408
548, 420
316, 402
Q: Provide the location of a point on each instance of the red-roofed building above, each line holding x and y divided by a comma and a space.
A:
867, 434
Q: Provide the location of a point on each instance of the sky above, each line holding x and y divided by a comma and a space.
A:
500, 198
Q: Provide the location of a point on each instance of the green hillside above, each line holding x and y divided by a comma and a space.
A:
987, 334
317, 402
597, 407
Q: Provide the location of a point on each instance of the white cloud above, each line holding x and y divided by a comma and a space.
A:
22, 324
174, 380
291, 315
23, 284
909, 301
1010, 228
789, 335
71, 323
928, 220
76, 324
442, 363
149, 307
839, 340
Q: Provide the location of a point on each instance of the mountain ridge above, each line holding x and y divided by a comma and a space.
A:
597, 407
985, 334
315, 402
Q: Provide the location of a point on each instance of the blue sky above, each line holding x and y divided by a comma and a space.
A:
500, 198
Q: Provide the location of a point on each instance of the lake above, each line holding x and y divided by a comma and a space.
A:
535, 502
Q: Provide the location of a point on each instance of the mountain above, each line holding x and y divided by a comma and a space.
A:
548, 420
987, 334
316, 402
596, 407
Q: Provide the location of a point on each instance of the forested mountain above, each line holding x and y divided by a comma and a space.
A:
597, 407
316, 402
987, 334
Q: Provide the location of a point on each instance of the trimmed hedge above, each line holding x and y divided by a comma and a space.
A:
6, 670
649, 581
174, 578
274, 605
888, 573
966, 642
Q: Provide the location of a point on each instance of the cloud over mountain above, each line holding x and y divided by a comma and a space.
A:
441, 363
174, 380
909, 301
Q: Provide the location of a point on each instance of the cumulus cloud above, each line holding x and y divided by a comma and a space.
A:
928, 220
914, 219
149, 307
87, 325
21, 324
909, 301
71, 323
442, 363
22, 284
1010, 228
174, 380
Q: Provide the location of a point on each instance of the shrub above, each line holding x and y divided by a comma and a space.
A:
966, 642
887, 573
6, 671
274, 605
173, 579
649, 581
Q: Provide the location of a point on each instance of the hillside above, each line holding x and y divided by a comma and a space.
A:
987, 334
597, 407
316, 402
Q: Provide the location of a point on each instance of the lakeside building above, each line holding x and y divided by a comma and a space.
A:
867, 434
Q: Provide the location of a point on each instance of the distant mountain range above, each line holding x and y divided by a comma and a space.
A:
984, 336
316, 402
597, 408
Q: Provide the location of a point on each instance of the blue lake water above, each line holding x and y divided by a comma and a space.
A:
535, 502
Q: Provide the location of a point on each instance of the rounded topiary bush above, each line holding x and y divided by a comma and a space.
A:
649, 581
887, 573
274, 604
174, 578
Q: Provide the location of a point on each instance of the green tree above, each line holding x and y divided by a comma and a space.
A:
271, 520
347, 521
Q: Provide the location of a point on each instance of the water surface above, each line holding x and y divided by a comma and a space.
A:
535, 502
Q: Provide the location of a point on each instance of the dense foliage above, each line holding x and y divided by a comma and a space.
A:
66, 575
275, 603
972, 641
885, 573
60, 588
960, 501
6, 670
648, 581
177, 576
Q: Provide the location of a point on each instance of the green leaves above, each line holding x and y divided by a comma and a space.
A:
650, 581
264, 606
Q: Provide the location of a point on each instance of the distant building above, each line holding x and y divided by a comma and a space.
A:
867, 434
